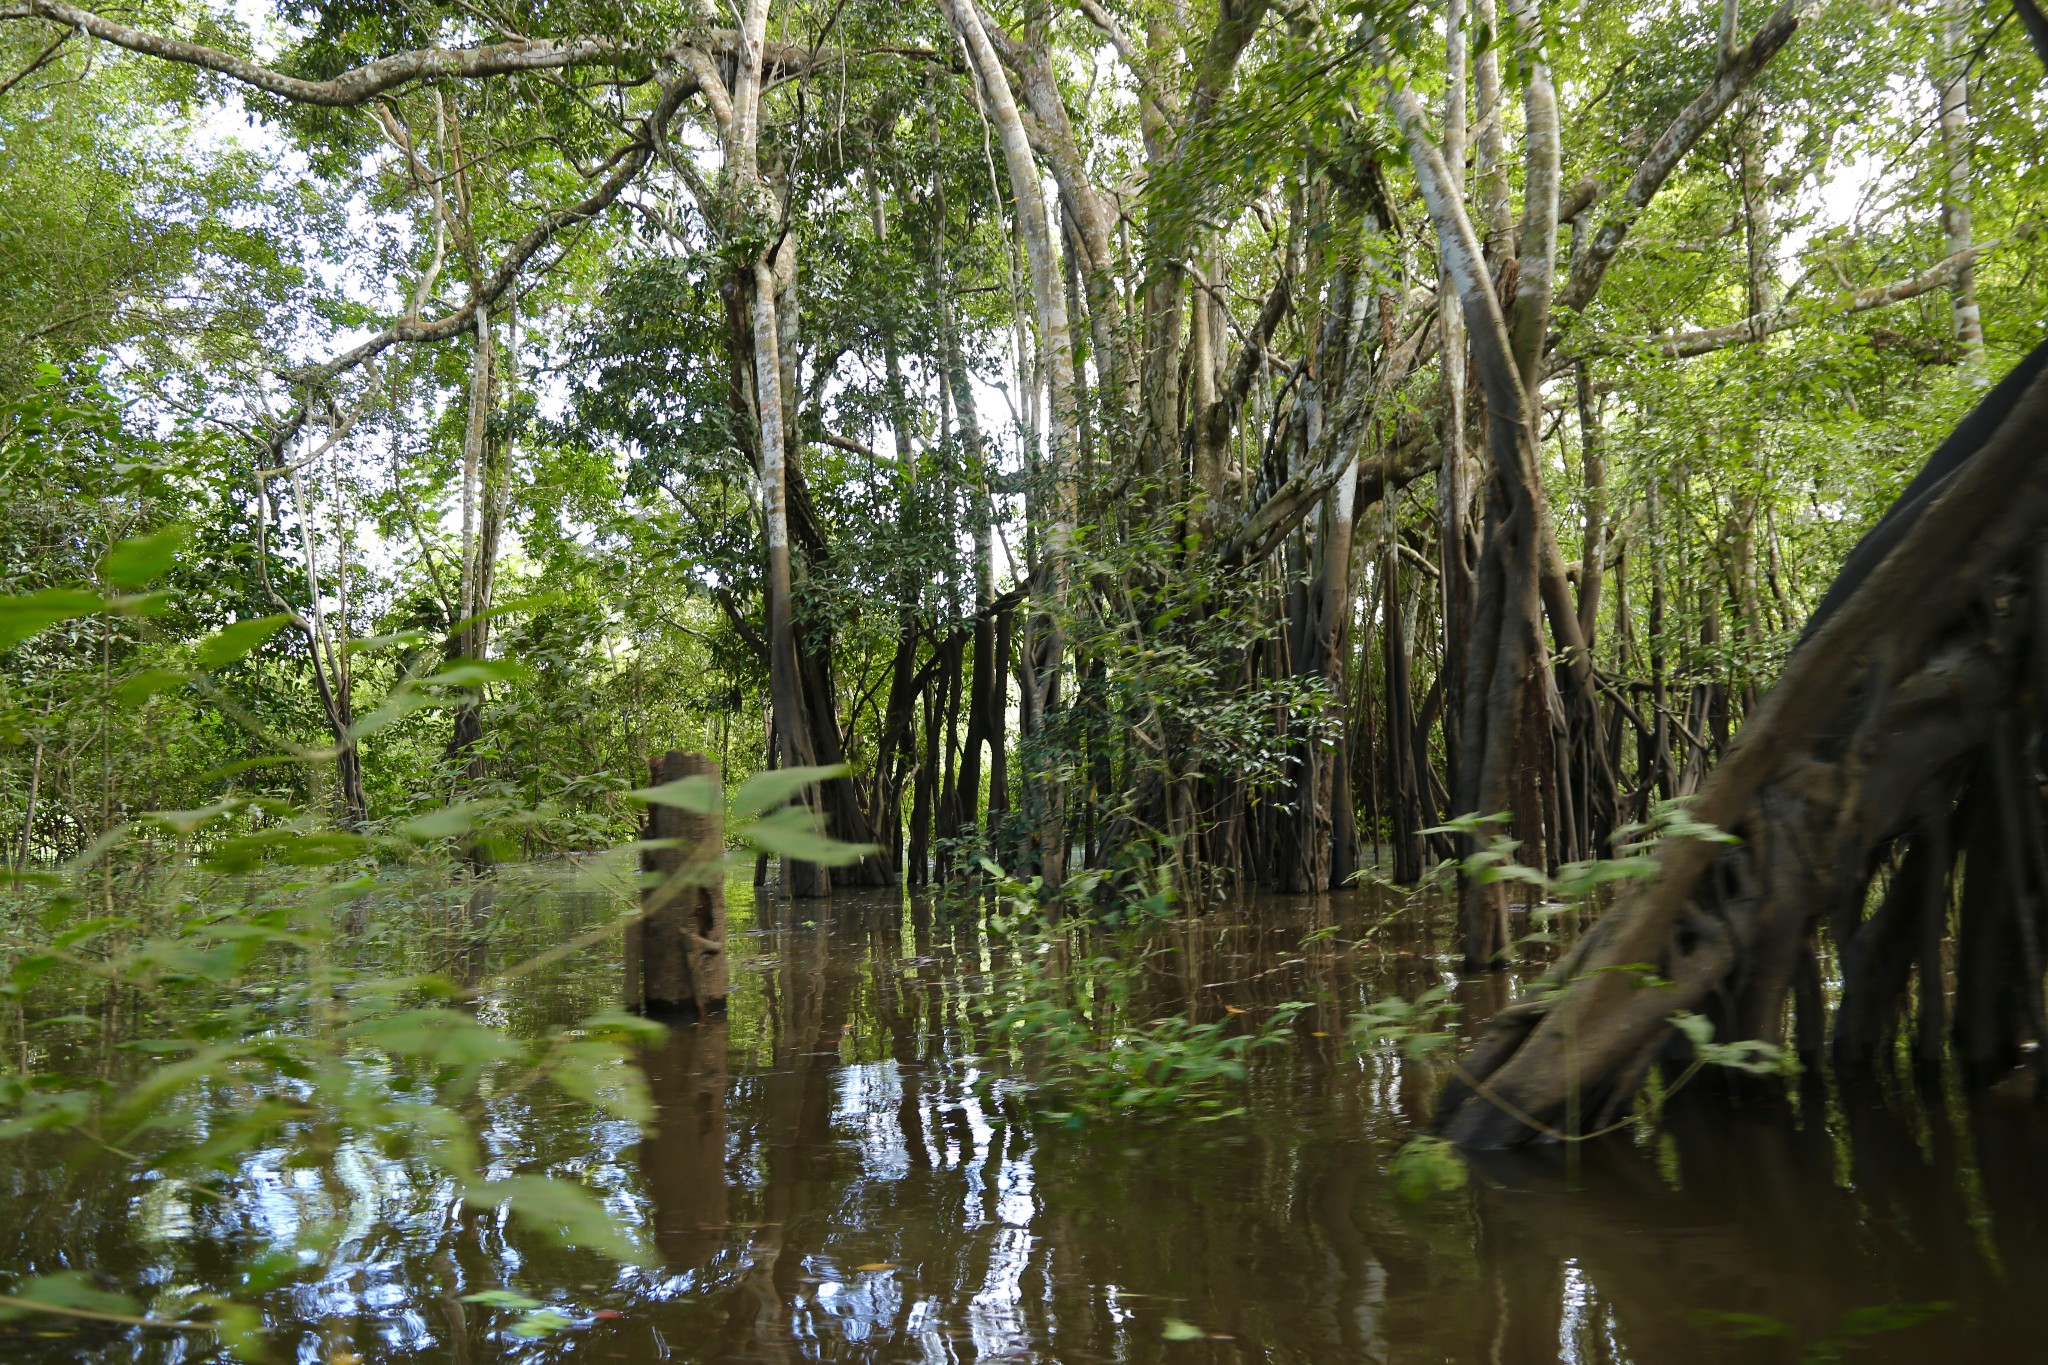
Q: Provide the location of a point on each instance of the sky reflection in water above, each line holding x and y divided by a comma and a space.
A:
838, 1176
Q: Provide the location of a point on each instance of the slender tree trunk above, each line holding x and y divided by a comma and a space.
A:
1454, 475
1055, 347
1953, 85
484, 491
28, 813
989, 683
1660, 691
785, 683
1496, 222
1328, 608
1403, 764
918, 860
332, 676
888, 814
1516, 551
1593, 542
999, 714
967, 799
946, 815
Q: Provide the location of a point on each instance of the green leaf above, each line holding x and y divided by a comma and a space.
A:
396, 637
533, 602
700, 794
148, 1096
627, 1028
140, 687
476, 672
238, 1326
1427, 1166
29, 969
24, 615
71, 1289
79, 933
539, 1324
1888, 1317
135, 562
565, 1213
269, 1269
247, 765
236, 1134
444, 1037
1743, 1324
449, 821
1753, 1055
66, 1109
285, 848
765, 791
232, 643
142, 603
192, 821
1176, 1330
793, 833
89, 1021
1698, 1029
394, 709
503, 1298
590, 1070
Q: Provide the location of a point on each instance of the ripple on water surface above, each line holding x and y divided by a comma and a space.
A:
840, 1171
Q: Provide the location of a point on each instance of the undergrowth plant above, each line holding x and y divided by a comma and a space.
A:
1416, 1028
1071, 1018
1086, 1050
249, 976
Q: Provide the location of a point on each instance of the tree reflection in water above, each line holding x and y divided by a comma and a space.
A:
838, 1173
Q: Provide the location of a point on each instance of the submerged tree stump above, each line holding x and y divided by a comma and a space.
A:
1906, 741
675, 952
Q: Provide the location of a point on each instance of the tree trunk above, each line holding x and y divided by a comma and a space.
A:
675, 953
1403, 764
1953, 86
1319, 755
1881, 718
1593, 541
785, 680
918, 859
1048, 630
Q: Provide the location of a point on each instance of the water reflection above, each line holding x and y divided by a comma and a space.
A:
837, 1174
682, 1165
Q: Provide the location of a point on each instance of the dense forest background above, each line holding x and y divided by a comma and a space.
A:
1056, 415
1100, 460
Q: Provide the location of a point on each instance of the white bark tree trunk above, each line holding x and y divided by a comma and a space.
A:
1055, 348
1953, 85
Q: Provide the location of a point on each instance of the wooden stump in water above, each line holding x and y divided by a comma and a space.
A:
675, 953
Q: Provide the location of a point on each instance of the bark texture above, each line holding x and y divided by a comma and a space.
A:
1903, 742
675, 952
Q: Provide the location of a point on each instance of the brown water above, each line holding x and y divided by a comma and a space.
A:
837, 1175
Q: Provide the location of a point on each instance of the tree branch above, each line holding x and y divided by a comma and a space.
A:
847, 443
372, 79
1785, 317
1738, 69
1121, 41
350, 88
627, 165
1251, 356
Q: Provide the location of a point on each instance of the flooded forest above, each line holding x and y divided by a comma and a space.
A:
1067, 680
